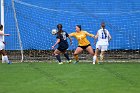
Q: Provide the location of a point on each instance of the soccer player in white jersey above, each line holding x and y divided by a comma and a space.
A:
2, 46
104, 37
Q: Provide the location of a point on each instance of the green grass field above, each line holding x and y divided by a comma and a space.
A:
70, 78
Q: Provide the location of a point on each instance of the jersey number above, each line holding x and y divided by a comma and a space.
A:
64, 36
103, 36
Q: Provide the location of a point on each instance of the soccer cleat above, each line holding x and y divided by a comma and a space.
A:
99, 63
60, 63
69, 61
76, 62
9, 62
93, 63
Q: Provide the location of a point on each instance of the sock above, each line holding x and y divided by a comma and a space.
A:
76, 57
58, 58
6, 59
101, 57
94, 58
67, 56
3, 59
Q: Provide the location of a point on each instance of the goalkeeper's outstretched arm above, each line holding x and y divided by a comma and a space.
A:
70, 40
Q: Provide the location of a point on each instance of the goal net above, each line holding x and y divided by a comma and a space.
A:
33, 21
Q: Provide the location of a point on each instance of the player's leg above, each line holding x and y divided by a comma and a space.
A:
103, 49
67, 56
90, 51
65, 47
102, 55
95, 57
57, 54
5, 57
77, 51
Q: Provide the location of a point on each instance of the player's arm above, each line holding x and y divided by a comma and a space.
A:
71, 34
88, 34
67, 35
109, 36
1, 33
58, 40
96, 36
70, 40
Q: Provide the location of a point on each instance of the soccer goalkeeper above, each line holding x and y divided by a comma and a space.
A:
83, 43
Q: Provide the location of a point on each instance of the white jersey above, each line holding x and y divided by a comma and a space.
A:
102, 39
2, 46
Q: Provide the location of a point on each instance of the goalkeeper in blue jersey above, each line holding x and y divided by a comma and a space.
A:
62, 44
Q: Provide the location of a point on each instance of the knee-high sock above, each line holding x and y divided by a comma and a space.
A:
76, 57
58, 58
5, 59
94, 58
67, 56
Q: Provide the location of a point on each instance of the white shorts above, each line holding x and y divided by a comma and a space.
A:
2, 45
102, 47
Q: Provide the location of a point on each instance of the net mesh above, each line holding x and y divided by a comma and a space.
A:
36, 21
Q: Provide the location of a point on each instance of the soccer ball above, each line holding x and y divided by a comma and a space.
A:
54, 31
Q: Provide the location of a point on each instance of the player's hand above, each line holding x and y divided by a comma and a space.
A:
93, 36
7, 34
52, 47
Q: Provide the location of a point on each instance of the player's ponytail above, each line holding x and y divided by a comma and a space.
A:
103, 27
104, 32
59, 27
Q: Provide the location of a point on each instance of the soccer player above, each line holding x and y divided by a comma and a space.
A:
2, 46
83, 43
62, 44
104, 37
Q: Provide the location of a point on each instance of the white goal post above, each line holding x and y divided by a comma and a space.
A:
19, 37
16, 22
2, 14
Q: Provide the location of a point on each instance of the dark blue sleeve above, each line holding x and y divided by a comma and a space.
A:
58, 36
67, 35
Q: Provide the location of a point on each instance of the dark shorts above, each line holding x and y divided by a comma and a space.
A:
63, 48
84, 47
